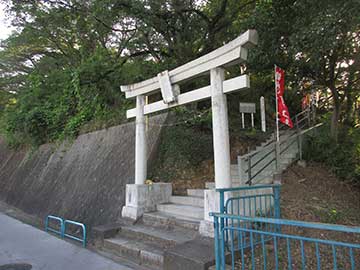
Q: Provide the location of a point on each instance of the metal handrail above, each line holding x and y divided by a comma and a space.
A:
295, 223
62, 231
222, 190
253, 153
81, 225
299, 120
252, 231
61, 223
249, 182
257, 162
269, 143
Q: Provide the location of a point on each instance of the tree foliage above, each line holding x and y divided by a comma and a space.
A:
318, 44
61, 70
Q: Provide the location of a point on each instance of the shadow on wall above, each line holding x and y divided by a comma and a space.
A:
83, 181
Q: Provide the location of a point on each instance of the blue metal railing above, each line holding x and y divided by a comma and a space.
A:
264, 202
61, 225
62, 230
258, 200
292, 247
78, 224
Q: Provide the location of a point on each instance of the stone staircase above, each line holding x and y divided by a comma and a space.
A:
146, 241
261, 157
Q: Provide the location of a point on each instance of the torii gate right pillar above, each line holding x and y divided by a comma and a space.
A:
221, 150
220, 129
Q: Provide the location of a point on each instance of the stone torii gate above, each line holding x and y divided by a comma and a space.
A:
139, 197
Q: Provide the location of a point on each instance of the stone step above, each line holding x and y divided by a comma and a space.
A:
260, 177
286, 158
182, 210
286, 161
162, 237
140, 252
260, 157
188, 200
266, 143
210, 185
268, 171
262, 180
196, 193
268, 146
166, 220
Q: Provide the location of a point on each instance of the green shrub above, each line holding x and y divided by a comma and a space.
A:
183, 146
343, 157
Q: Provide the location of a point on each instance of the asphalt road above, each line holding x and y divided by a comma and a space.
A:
23, 244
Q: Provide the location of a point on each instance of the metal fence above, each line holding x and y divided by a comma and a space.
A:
60, 226
259, 200
271, 243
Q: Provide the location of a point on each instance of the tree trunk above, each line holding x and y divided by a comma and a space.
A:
334, 128
349, 119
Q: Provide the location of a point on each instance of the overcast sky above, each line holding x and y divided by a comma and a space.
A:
5, 30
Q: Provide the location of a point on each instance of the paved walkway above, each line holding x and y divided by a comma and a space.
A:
22, 243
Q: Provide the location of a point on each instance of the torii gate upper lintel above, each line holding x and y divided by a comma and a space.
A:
231, 53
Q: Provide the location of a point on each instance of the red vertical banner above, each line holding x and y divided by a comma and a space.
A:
283, 112
305, 102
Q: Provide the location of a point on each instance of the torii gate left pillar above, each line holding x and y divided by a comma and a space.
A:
140, 197
140, 142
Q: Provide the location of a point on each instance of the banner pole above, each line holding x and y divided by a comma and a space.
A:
277, 149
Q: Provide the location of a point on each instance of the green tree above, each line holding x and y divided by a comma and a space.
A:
65, 63
318, 44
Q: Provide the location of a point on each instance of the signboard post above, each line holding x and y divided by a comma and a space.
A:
262, 113
246, 107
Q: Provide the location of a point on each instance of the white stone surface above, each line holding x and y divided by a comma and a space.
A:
181, 210
262, 114
144, 198
238, 83
140, 144
188, 200
220, 129
206, 228
231, 53
196, 192
211, 203
167, 92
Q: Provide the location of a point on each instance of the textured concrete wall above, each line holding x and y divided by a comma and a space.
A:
84, 180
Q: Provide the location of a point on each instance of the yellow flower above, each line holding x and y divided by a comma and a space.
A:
148, 182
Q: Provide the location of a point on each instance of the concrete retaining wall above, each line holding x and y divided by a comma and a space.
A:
84, 180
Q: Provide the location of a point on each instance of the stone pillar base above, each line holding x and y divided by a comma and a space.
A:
132, 212
211, 204
206, 228
141, 199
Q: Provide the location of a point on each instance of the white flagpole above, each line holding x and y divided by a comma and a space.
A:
277, 112
277, 145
